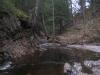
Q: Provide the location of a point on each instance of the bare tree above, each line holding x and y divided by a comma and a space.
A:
36, 11
44, 24
82, 9
53, 17
71, 11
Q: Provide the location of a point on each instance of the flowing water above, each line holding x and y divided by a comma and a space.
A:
89, 47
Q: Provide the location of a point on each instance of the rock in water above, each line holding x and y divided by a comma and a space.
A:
5, 66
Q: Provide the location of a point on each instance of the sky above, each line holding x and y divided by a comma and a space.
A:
76, 7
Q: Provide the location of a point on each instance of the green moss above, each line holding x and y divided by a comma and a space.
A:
10, 7
19, 13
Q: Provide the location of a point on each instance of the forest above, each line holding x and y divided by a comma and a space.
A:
49, 37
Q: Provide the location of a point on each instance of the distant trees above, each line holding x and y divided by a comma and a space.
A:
95, 5
56, 13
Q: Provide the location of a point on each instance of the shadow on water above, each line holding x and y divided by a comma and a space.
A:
48, 68
40, 69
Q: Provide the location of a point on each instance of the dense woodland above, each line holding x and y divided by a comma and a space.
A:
26, 25
52, 16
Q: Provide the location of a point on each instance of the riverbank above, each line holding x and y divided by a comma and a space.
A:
82, 33
56, 55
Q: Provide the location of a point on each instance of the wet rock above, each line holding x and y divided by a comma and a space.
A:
94, 65
73, 69
62, 54
86, 69
5, 66
77, 68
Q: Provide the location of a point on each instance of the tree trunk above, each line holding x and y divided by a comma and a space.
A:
35, 17
53, 17
82, 9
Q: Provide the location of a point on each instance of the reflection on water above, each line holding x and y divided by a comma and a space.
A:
41, 69
55, 68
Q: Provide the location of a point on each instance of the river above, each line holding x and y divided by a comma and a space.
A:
55, 69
